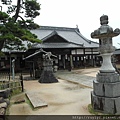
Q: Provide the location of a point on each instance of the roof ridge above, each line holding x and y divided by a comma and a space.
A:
57, 28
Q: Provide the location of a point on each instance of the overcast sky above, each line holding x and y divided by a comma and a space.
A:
84, 13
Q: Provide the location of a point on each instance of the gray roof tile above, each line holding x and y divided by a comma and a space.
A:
117, 52
71, 35
56, 45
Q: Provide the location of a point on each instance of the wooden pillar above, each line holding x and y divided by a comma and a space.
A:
71, 62
84, 59
93, 62
64, 61
33, 69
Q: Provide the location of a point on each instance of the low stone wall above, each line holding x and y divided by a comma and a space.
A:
4, 101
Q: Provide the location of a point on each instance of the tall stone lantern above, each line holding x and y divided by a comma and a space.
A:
105, 96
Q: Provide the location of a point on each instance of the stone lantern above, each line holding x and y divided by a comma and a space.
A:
105, 96
47, 75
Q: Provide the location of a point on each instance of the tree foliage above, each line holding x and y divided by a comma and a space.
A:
15, 29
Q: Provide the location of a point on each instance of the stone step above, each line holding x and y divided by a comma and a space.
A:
3, 105
35, 100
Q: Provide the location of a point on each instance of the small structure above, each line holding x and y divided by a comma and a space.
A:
13, 69
47, 75
106, 88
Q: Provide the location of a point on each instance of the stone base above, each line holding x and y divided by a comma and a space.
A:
47, 77
106, 93
105, 104
106, 89
107, 77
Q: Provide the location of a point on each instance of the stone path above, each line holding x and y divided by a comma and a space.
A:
79, 76
35, 100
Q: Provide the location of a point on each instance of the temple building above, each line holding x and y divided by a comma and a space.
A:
72, 49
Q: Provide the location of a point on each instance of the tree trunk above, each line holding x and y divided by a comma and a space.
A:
17, 10
1, 44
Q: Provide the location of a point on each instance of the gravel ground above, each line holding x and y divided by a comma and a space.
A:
70, 96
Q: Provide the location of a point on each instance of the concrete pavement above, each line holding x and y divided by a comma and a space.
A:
81, 76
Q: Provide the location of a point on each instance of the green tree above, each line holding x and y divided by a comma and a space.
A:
15, 28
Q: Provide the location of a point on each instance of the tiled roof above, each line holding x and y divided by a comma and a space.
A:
57, 45
72, 36
117, 52
12, 51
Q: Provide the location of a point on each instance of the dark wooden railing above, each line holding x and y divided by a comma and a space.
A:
6, 81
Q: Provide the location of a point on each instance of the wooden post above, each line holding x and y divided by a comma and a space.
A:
21, 78
71, 61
